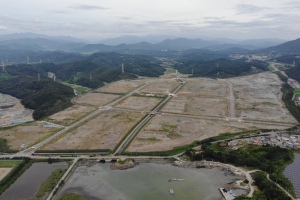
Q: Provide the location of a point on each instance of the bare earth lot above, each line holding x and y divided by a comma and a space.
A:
102, 132
200, 96
96, 99
4, 172
197, 106
259, 97
204, 87
27, 134
122, 86
11, 108
70, 115
139, 103
160, 86
165, 132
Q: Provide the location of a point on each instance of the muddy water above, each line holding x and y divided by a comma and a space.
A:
29, 182
146, 181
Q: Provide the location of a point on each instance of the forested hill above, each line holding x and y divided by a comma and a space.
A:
294, 73
221, 68
45, 97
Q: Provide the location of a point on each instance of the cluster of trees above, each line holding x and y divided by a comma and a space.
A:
3, 145
267, 158
294, 73
289, 59
221, 68
287, 96
45, 97
268, 190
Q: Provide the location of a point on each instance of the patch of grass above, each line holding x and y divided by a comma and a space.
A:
170, 70
50, 183
296, 90
71, 196
124, 161
153, 139
9, 163
217, 148
269, 103
79, 89
4, 76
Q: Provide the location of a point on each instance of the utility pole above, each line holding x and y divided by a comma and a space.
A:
122, 68
192, 71
28, 60
294, 64
3, 66
39, 77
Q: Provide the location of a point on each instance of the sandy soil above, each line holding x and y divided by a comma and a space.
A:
27, 134
96, 99
197, 106
165, 132
259, 97
139, 103
70, 115
205, 87
11, 108
160, 86
4, 172
102, 132
122, 86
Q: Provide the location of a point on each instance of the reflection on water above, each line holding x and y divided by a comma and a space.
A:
146, 181
28, 183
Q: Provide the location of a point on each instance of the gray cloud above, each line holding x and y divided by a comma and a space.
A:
292, 5
248, 8
87, 7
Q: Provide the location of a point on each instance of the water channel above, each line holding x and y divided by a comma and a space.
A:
27, 185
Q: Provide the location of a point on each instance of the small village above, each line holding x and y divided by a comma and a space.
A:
282, 139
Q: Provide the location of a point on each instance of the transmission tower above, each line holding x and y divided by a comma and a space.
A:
192, 71
3, 66
217, 64
122, 68
27, 59
39, 77
40, 60
91, 78
294, 64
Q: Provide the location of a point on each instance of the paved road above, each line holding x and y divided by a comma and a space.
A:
135, 131
231, 100
27, 152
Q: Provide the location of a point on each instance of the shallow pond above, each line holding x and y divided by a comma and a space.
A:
27, 185
147, 181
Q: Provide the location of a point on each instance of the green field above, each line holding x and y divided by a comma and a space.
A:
71, 196
4, 76
9, 163
296, 90
50, 183
170, 70
79, 89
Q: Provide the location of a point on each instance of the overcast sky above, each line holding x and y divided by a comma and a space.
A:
99, 19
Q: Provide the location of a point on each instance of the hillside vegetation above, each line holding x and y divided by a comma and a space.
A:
45, 97
221, 68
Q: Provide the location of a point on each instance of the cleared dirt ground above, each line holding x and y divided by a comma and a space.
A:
4, 172
165, 132
70, 115
122, 86
27, 134
259, 97
102, 132
139, 103
11, 108
96, 99
205, 87
197, 106
160, 86
200, 96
